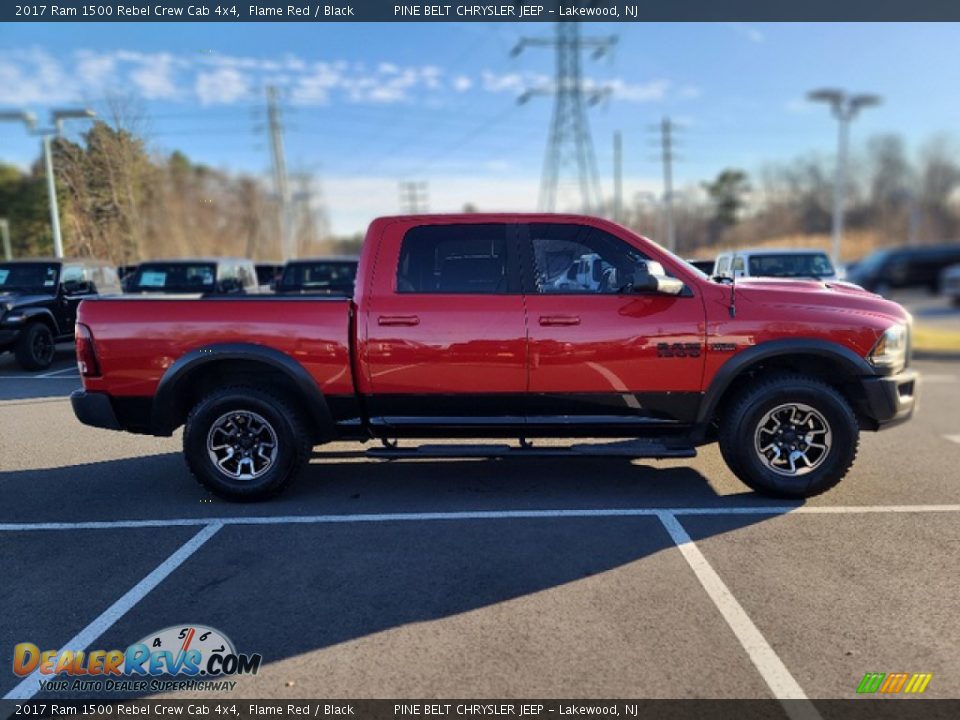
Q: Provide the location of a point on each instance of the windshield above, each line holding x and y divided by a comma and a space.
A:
174, 277
29, 277
326, 276
808, 265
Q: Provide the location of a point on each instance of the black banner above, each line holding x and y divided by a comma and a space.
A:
855, 709
479, 11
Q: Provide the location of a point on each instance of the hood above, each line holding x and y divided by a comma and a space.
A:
838, 294
17, 300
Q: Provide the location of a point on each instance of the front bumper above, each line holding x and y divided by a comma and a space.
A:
889, 400
94, 409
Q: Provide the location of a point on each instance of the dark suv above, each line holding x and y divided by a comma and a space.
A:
919, 267
319, 276
38, 303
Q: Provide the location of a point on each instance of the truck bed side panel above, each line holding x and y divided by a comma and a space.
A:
138, 339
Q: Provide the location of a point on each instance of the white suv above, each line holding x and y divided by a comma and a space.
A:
776, 262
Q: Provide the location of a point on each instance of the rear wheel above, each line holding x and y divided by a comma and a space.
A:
790, 436
244, 444
35, 347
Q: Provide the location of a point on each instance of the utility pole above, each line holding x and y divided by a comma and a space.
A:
569, 141
5, 235
844, 108
46, 135
413, 197
617, 176
281, 183
666, 156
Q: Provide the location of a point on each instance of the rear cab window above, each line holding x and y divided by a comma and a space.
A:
174, 277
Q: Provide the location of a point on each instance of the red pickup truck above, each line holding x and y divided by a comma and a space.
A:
506, 326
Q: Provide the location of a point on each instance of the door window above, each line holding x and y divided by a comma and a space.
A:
454, 259
579, 259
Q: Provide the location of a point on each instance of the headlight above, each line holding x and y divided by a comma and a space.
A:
891, 349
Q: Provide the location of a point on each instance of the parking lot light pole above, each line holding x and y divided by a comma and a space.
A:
46, 136
844, 108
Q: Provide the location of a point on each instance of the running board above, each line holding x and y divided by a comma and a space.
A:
625, 449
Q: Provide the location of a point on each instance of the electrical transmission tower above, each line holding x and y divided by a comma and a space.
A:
667, 130
413, 197
281, 184
570, 143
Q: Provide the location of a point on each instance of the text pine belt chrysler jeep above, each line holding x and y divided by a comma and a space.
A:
509, 326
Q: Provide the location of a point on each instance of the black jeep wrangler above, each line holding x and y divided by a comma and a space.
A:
38, 303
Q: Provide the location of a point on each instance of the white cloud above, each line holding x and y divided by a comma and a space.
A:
651, 91
154, 77
31, 76
461, 83
223, 86
691, 92
750, 32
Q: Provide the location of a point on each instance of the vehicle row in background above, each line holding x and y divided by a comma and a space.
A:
901, 268
775, 262
38, 303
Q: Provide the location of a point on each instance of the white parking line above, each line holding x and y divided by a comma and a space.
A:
29, 686
953, 438
771, 668
477, 515
39, 377
72, 368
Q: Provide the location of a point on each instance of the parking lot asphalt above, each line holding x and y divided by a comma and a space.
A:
582, 577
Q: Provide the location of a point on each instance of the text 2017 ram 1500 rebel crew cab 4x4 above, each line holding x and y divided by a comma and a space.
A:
487, 326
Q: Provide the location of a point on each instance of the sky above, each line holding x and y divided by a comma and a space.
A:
365, 105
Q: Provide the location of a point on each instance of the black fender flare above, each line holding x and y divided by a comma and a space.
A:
32, 314
167, 393
853, 365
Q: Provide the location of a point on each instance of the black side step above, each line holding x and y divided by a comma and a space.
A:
623, 448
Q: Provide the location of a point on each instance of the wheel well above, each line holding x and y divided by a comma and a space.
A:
835, 373
222, 373
45, 320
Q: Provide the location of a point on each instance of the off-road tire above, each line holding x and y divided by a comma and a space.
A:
28, 350
738, 428
293, 444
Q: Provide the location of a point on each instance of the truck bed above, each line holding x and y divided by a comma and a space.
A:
138, 337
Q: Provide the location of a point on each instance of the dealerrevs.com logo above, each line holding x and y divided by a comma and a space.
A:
194, 654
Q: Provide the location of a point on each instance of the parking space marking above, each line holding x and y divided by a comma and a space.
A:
58, 372
29, 686
771, 668
953, 438
477, 515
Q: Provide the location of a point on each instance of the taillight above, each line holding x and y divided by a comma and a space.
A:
86, 352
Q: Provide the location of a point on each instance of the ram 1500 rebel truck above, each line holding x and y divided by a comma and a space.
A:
509, 326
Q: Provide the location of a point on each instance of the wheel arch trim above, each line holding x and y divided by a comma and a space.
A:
185, 367
852, 363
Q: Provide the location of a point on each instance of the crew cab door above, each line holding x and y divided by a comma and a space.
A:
601, 354
445, 340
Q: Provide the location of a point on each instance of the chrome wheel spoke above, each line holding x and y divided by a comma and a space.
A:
242, 444
792, 439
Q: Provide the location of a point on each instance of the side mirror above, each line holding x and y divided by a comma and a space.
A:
651, 277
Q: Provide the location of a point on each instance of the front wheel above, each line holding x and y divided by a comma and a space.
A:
244, 444
790, 436
36, 347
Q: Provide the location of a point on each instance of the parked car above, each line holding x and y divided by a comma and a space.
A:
210, 276
776, 262
704, 266
268, 274
38, 303
950, 284
329, 276
455, 330
908, 267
